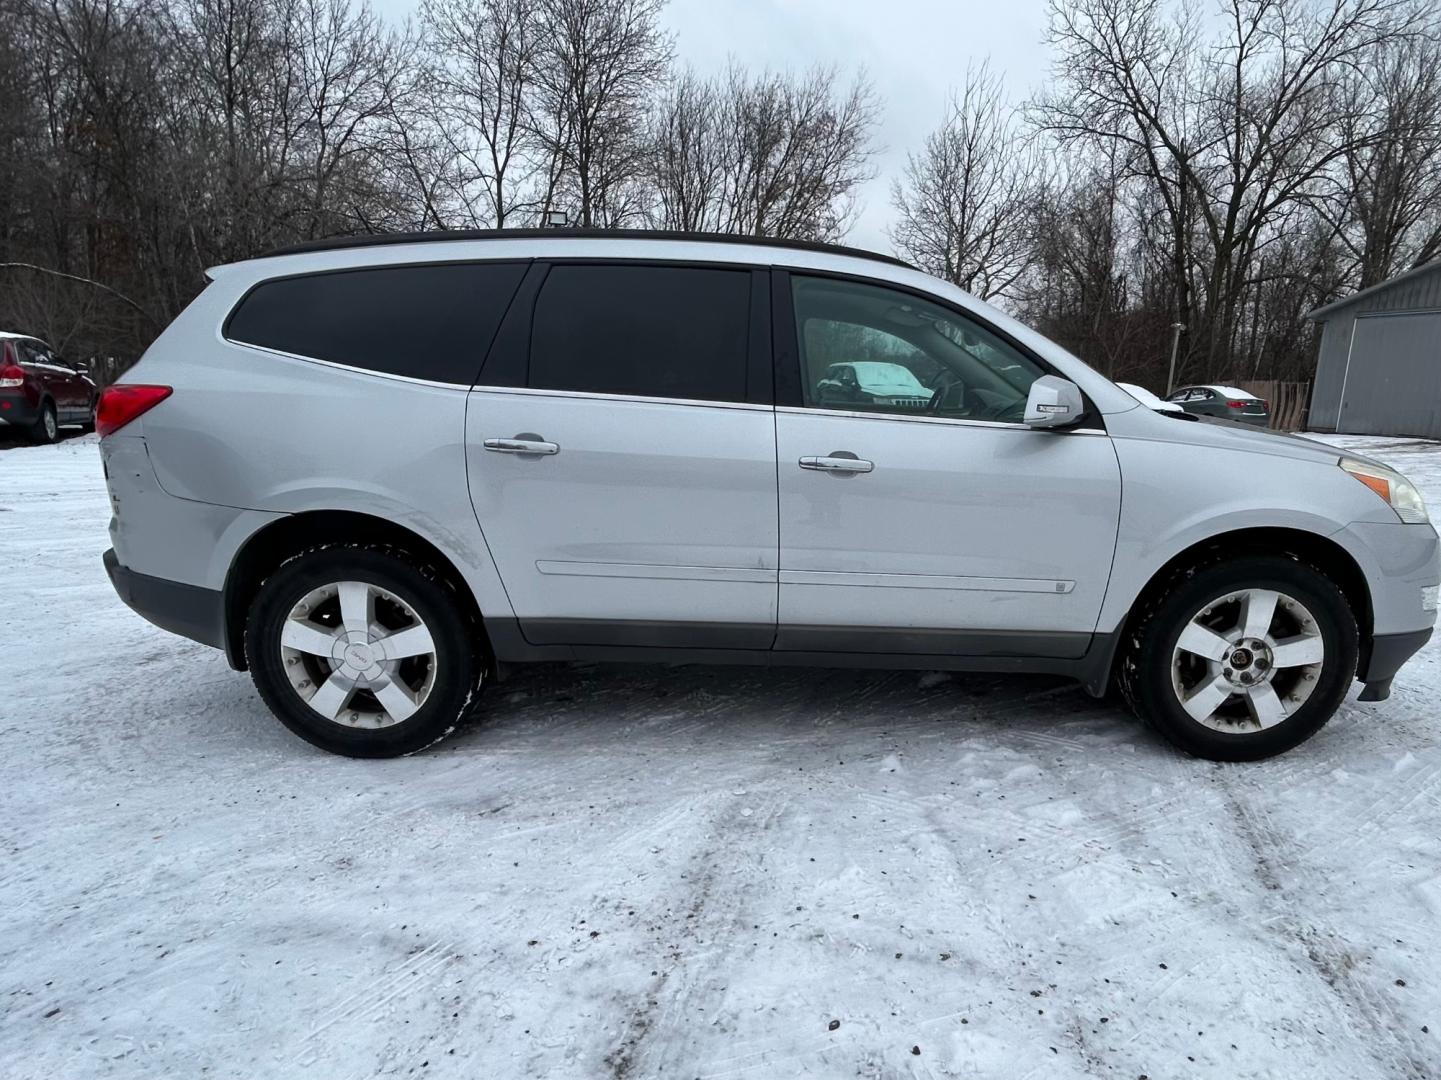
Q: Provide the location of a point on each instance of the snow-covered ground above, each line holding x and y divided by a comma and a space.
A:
686, 872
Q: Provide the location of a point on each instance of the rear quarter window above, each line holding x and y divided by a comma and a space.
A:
423, 322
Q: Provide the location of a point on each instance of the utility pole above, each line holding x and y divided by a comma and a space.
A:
1176, 330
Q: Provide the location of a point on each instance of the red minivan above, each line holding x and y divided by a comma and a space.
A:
39, 392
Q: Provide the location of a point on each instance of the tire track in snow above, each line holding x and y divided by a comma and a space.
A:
646, 1044
1396, 800
369, 1001
1379, 1029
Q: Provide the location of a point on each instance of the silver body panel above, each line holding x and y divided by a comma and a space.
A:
952, 530
648, 513
654, 513
156, 533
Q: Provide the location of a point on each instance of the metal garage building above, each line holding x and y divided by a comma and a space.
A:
1379, 372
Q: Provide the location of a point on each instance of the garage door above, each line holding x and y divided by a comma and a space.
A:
1393, 377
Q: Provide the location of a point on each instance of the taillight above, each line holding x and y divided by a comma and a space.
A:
121, 404
11, 376
1266, 405
1235, 404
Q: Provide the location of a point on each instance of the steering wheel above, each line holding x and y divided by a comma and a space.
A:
942, 382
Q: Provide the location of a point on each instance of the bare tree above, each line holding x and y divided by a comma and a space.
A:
480, 79
1230, 172
598, 64
797, 149
1387, 205
763, 155
688, 164
965, 203
345, 71
1079, 284
1230, 134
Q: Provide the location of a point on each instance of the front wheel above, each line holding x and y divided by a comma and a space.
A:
1242, 659
363, 651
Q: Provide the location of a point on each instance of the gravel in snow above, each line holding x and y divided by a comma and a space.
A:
684, 872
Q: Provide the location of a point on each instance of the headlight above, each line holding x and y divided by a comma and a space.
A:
1400, 494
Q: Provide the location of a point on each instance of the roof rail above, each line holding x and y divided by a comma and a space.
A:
336, 243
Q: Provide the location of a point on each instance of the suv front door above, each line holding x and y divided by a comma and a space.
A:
940, 526
621, 449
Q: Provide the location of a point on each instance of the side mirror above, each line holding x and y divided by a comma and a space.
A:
1053, 402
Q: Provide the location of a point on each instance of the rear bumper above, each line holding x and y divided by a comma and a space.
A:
16, 409
187, 610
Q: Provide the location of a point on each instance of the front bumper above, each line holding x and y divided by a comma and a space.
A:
1388, 652
1402, 566
187, 610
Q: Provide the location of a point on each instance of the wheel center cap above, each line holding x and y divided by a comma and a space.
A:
359, 656
1241, 658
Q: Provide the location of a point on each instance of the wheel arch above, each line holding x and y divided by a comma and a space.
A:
1325, 554
269, 547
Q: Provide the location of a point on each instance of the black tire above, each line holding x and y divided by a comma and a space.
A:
460, 664
46, 428
1145, 668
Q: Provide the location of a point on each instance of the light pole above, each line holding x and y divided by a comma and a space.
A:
1176, 330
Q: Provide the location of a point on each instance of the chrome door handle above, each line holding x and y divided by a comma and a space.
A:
521, 446
838, 461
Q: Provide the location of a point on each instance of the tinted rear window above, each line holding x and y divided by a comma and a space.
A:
426, 322
646, 331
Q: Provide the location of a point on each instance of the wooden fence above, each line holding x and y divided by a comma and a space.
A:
1289, 401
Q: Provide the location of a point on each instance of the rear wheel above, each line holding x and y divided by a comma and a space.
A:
363, 651
47, 426
1243, 659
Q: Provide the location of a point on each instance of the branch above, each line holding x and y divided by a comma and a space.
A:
84, 281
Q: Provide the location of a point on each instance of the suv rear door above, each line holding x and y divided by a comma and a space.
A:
621, 450
944, 526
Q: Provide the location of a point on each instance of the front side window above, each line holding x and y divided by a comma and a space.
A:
431, 322
869, 348
642, 331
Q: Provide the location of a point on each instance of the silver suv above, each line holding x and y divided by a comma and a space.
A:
378, 472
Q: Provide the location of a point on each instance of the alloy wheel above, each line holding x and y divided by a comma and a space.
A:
1247, 660
358, 655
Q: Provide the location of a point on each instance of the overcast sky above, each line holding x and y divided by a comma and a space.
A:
913, 50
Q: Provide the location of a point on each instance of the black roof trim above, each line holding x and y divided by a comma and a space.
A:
338, 243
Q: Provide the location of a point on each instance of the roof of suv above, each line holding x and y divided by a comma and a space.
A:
336, 243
